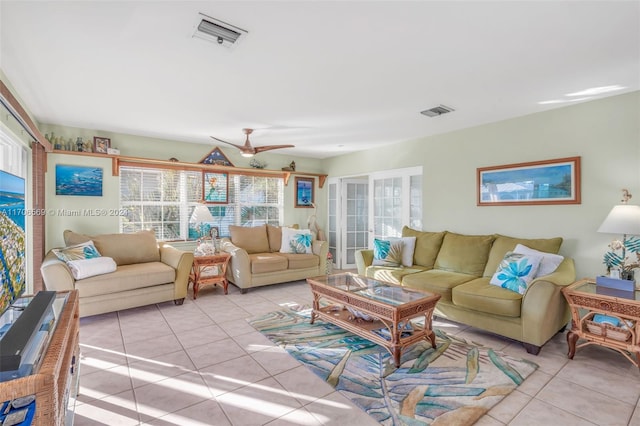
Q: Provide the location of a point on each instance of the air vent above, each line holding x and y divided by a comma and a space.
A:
214, 30
436, 111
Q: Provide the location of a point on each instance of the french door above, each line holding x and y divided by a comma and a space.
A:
361, 209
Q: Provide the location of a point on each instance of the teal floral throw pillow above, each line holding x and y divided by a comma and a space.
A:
387, 253
516, 271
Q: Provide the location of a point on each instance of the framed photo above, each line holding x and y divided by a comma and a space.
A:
539, 182
215, 188
304, 192
78, 180
101, 145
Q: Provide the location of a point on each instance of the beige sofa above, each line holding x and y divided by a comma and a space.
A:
146, 273
459, 268
256, 259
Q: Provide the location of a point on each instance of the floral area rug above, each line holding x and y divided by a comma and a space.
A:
454, 384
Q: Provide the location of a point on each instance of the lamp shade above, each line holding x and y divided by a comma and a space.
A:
201, 214
622, 219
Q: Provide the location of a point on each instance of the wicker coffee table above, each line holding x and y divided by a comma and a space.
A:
392, 306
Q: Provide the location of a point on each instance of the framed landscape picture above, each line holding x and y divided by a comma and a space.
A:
215, 188
539, 182
304, 192
78, 180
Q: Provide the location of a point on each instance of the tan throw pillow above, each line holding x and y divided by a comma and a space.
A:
252, 239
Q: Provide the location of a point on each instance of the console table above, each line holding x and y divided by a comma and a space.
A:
585, 300
55, 383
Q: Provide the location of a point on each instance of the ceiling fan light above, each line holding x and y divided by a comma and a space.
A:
247, 154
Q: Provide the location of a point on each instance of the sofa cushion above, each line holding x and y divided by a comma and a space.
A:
550, 261
503, 244
124, 249
391, 275
252, 239
479, 295
267, 262
127, 277
274, 234
436, 281
466, 254
301, 261
427, 246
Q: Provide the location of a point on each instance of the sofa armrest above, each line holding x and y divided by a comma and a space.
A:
181, 261
364, 258
239, 270
544, 308
321, 249
56, 274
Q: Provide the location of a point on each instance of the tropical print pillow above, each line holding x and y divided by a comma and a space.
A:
77, 252
387, 253
516, 271
300, 243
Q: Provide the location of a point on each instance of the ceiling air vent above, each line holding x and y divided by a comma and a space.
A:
214, 30
436, 111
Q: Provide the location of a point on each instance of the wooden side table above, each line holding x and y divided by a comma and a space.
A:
209, 270
585, 300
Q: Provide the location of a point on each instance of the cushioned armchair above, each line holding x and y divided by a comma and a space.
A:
257, 259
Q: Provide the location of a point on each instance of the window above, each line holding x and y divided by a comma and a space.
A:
164, 199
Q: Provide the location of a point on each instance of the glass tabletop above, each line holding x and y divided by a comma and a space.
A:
372, 289
592, 288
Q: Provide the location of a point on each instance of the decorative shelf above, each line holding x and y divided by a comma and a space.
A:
120, 160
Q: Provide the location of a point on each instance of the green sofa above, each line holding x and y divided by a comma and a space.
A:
459, 268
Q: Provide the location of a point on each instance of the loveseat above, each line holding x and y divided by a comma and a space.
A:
259, 258
459, 268
146, 272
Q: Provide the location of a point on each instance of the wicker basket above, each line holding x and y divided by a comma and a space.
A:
608, 330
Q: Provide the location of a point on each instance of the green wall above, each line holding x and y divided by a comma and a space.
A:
136, 146
604, 133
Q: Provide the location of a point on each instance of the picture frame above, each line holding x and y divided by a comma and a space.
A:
305, 192
216, 157
101, 145
215, 187
534, 183
78, 180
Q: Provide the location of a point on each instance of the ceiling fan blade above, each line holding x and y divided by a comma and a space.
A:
229, 143
270, 147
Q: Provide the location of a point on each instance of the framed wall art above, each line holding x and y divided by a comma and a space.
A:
217, 157
78, 180
101, 145
539, 182
304, 192
215, 187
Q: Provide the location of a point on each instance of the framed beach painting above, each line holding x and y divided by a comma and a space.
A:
304, 192
539, 182
215, 188
78, 180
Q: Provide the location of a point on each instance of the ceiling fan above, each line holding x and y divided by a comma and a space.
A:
247, 150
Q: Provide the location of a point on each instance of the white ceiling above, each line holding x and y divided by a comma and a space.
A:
327, 76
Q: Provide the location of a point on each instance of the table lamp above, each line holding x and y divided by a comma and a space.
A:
200, 216
622, 219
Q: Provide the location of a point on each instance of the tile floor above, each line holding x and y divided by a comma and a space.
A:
202, 364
